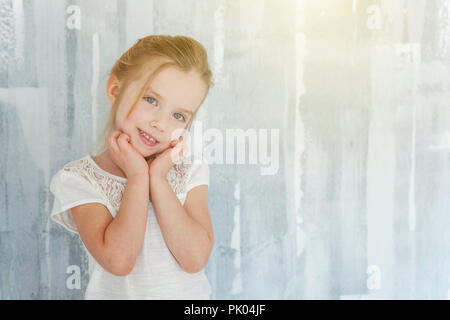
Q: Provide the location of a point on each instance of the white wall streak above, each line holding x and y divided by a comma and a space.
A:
95, 85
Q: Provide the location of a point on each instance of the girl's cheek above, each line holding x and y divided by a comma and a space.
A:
135, 115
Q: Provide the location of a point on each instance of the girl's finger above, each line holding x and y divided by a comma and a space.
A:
123, 140
184, 149
112, 139
175, 142
176, 153
114, 134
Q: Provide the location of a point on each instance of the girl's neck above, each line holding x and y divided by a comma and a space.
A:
105, 162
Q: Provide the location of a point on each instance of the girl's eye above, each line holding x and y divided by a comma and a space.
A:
182, 117
150, 98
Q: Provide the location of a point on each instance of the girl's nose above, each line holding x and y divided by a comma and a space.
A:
160, 123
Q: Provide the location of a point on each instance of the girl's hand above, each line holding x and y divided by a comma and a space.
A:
160, 164
125, 155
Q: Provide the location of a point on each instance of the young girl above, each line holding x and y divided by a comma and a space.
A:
141, 206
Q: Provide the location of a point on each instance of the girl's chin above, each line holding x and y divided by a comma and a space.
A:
148, 156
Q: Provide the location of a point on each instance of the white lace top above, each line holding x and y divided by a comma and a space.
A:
156, 274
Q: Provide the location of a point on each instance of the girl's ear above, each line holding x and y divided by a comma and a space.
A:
112, 88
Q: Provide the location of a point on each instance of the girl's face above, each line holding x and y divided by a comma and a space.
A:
163, 112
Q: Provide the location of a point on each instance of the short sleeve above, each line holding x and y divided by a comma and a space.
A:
199, 175
71, 190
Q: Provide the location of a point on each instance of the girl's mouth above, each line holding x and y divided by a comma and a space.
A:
147, 139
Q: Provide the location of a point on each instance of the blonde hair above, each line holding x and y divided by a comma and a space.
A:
181, 52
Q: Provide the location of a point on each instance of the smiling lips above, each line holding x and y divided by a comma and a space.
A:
148, 139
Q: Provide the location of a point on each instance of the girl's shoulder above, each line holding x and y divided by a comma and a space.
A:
88, 169
189, 170
195, 172
76, 183
85, 170
77, 165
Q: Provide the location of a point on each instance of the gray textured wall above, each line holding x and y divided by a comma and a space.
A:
359, 91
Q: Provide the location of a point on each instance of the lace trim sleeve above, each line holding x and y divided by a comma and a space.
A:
69, 191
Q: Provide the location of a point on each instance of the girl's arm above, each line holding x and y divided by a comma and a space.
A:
187, 230
124, 236
115, 243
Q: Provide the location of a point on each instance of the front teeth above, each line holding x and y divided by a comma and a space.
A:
147, 137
